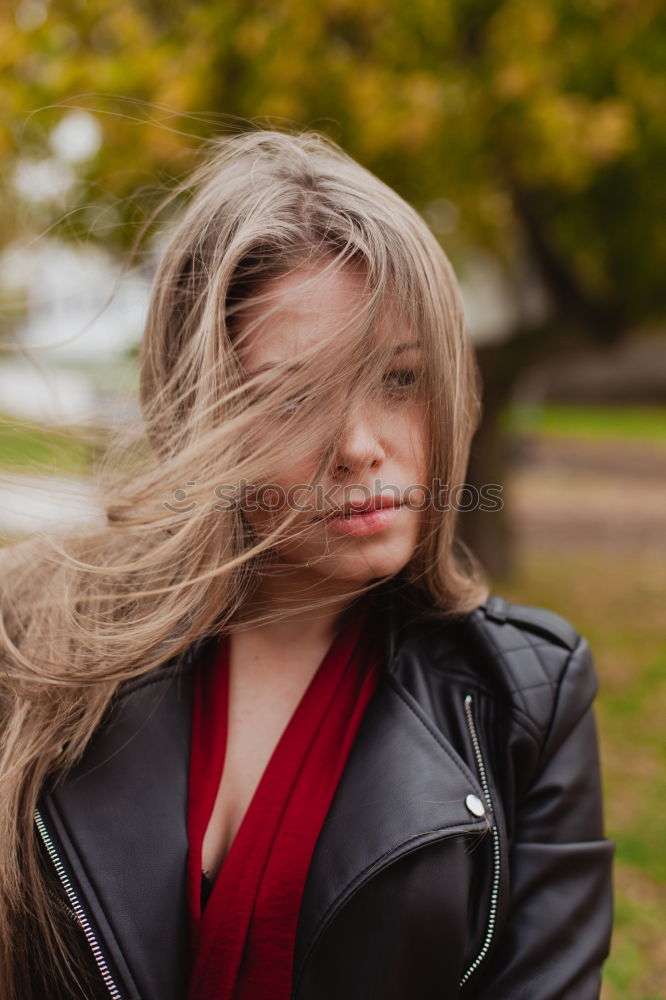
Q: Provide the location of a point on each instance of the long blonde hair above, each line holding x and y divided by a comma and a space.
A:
81, 614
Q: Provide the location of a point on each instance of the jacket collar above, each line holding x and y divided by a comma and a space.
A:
119, 818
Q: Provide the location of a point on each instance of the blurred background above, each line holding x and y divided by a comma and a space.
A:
532, 138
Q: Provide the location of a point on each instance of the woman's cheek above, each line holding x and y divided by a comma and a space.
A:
276, 500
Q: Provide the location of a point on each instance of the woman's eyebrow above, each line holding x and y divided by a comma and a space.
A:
407, 347
399, 349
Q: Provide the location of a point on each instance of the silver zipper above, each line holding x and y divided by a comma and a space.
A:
494, 893
81, 917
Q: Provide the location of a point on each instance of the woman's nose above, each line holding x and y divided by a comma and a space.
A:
361, 446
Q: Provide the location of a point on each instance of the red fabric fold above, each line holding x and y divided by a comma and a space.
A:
242, 945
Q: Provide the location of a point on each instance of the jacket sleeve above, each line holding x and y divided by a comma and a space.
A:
557, 927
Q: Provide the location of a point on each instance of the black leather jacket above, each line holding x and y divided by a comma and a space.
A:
463, 854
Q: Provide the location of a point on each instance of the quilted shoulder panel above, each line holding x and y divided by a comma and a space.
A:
539, 620
530, 648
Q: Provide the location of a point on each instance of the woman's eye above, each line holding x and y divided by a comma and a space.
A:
401, 379
400, 382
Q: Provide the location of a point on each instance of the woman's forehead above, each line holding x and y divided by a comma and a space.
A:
307, 306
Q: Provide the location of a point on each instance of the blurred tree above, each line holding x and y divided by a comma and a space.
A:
533, 131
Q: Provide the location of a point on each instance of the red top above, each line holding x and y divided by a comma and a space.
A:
242, 944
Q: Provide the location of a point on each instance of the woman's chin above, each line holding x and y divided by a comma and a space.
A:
354, 570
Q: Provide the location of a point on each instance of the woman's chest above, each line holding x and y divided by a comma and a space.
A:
262, 699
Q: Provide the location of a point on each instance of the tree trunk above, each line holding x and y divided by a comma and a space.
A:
489, 533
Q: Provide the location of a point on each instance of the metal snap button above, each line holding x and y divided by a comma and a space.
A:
475, 805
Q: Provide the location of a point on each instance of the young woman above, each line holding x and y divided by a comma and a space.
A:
265, 735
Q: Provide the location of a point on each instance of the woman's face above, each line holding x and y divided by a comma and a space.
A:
381, 452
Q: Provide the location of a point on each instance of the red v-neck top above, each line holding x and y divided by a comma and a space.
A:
242, 943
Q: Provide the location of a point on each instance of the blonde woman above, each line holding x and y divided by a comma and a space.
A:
266, 735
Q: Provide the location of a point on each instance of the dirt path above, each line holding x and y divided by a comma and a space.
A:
611, 494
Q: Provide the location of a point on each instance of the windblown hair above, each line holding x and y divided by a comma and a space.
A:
82, 614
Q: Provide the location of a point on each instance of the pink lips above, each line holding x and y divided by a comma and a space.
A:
364, 522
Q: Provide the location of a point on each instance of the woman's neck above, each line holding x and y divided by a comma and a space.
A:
287, 604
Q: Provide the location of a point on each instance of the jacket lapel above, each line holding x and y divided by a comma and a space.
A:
120, 818
404, 786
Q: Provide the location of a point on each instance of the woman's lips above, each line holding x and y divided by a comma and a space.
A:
368, 522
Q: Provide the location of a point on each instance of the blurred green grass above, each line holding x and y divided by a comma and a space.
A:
588, 421
28, 447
